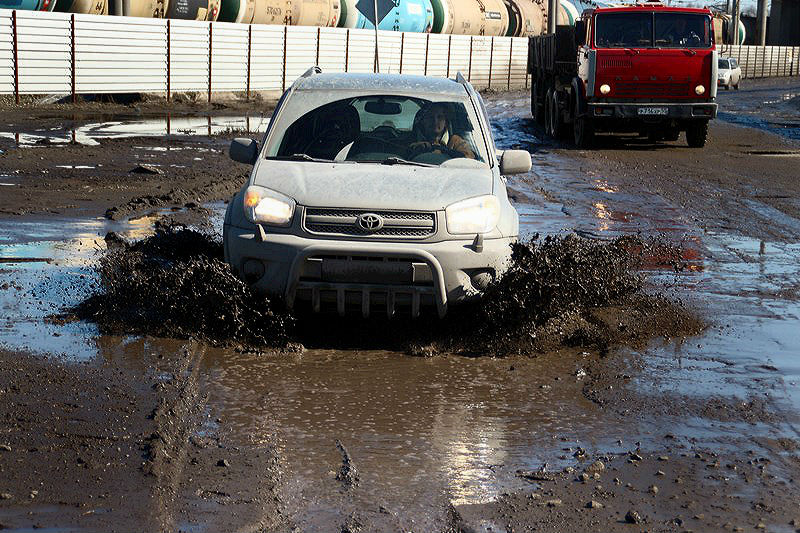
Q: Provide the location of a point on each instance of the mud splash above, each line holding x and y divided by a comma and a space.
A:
559, 292
176, 284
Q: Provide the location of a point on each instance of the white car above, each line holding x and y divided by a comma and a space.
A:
729, 73
374, 192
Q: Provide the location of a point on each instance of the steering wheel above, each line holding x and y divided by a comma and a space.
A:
437, 148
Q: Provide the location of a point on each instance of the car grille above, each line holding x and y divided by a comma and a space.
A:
343, 222
651, 89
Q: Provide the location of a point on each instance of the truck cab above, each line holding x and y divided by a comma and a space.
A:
644, 68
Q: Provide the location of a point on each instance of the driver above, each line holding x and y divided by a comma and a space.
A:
432, 133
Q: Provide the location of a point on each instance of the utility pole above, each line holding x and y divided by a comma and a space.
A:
552, 15
761, 23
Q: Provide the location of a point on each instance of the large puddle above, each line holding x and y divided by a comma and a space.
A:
428, 431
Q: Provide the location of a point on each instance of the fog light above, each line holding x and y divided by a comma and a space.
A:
481, 279
253, 270
700, 89
605, 89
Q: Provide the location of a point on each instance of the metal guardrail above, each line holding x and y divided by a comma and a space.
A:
764, 61
63, 53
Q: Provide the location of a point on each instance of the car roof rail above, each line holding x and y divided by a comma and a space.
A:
310, 72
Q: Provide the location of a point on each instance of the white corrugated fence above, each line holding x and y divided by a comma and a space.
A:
764, 61
43, 53
62, 53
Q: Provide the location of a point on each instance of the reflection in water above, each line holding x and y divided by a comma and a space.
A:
91, 134
36, 290
414, 427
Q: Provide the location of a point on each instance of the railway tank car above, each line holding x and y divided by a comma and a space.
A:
511, 18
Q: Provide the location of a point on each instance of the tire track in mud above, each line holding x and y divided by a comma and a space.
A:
176, 418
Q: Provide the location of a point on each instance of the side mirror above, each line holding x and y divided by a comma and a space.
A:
244, 151
515, 162
580, 33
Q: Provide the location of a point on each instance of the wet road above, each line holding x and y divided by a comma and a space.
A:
425, 434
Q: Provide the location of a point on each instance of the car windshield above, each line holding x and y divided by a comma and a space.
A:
384, 128
648, 30
722, 63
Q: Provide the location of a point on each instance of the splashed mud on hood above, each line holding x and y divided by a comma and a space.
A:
560, 291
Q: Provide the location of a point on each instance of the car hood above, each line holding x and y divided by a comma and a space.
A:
373, 186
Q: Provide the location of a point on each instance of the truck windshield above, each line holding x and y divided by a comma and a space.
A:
649, 30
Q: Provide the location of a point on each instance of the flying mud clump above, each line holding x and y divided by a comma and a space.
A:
572, 291
176, 284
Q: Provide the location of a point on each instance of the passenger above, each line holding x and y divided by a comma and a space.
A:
432, 128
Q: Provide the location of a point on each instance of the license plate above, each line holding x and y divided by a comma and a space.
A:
654, 111
343, 271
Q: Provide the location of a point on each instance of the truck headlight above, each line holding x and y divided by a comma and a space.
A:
474, 215
262, 205
700, 89
605, 89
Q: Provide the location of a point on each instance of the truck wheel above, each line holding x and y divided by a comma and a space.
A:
696, 134
556, 124
548, 127
536, 104
583, 132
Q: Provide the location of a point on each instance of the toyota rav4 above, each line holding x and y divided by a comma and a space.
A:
373, 193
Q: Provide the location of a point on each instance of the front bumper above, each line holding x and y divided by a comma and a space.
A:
369, 274
674, 111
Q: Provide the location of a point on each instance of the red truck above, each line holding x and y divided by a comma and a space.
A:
644, 68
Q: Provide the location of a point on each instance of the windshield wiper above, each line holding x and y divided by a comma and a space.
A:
401, 161
299, 157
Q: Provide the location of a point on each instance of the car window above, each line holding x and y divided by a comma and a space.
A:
375, 128
722, 63
734, 64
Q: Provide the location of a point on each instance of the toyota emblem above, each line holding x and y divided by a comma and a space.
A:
369, 222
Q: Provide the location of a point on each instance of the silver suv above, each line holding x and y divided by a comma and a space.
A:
374, 193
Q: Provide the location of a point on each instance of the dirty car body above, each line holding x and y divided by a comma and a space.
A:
349, 209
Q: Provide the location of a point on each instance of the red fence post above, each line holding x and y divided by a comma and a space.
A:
469, 70
72, 55
346, 49
285, 46
249, 58
491, 58
449, 46
402, 44
16, 55
510, 61
210, 48
319, 35
169, 60
427, 47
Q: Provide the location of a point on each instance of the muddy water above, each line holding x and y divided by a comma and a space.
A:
426, 432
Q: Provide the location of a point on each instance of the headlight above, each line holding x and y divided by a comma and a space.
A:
700, 89
262, 205
605, 89
475, 215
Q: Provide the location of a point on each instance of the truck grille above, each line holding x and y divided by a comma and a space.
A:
650, 89
344, 222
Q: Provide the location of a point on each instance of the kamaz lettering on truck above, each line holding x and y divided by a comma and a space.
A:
643, 68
